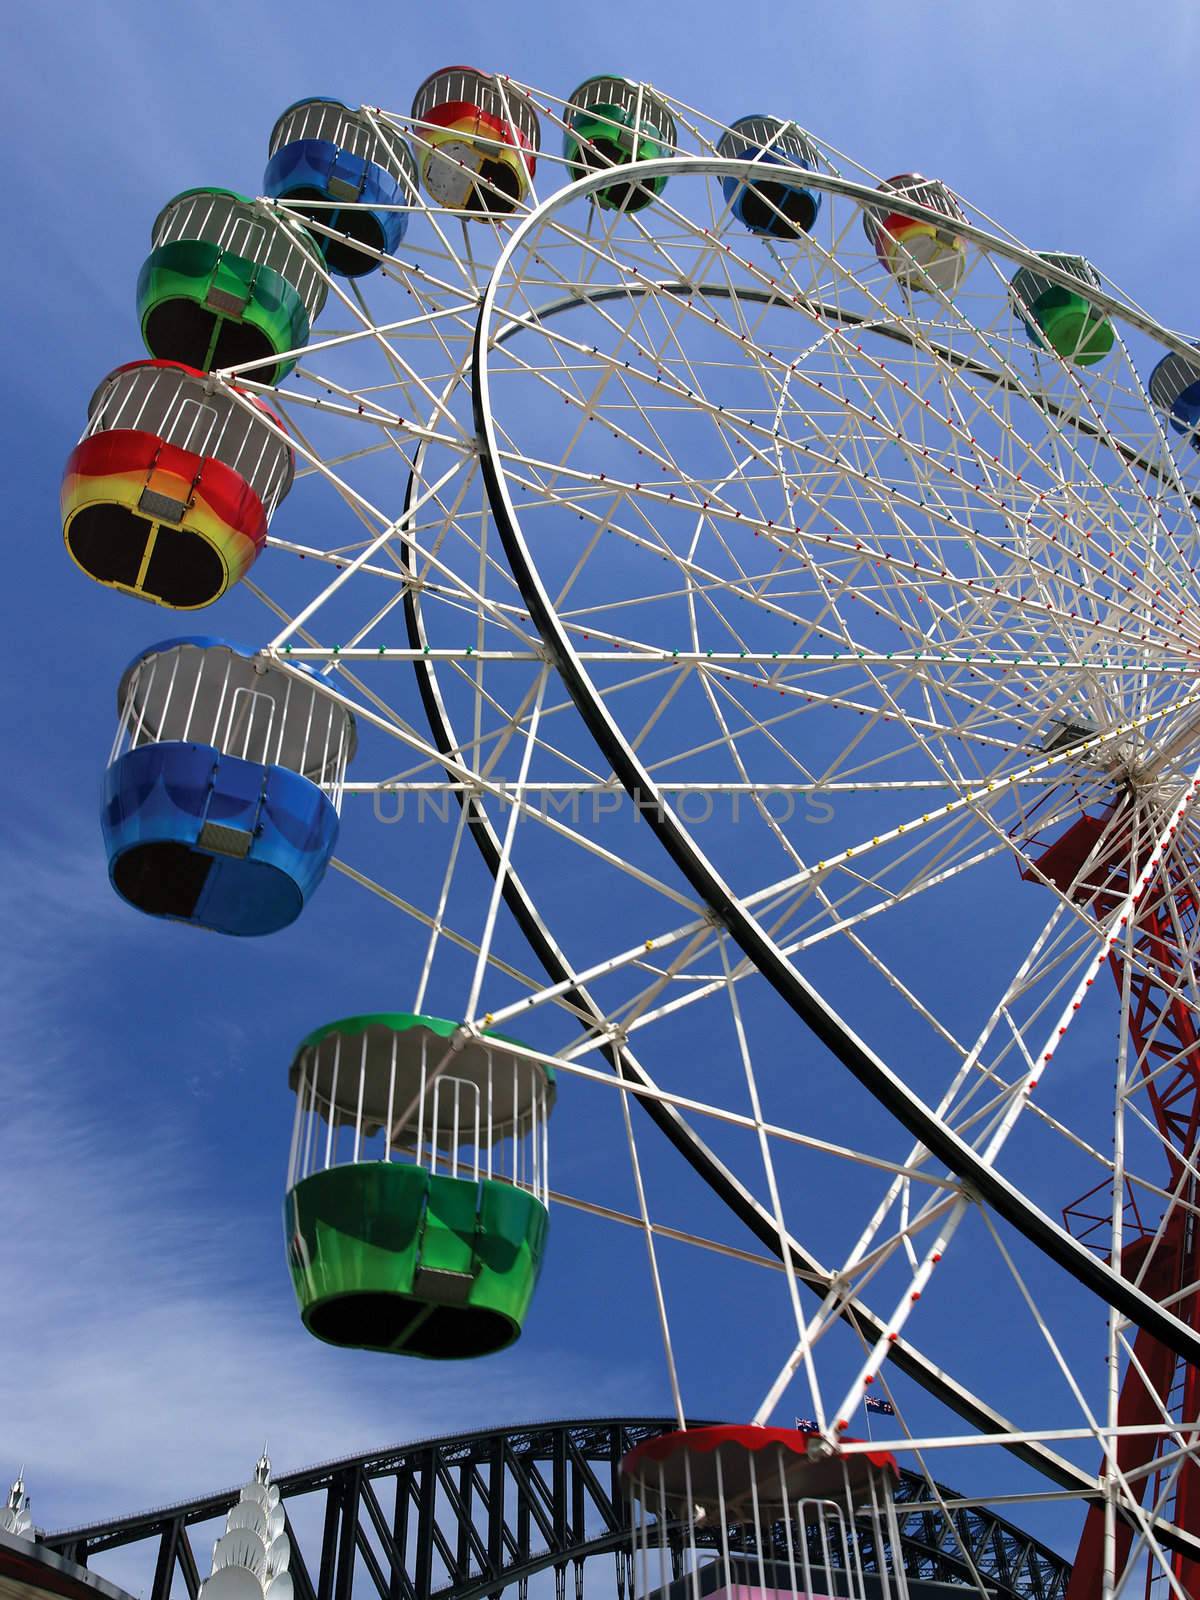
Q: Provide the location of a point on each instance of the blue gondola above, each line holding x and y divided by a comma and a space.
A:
220, 801
1175, 387
767, 206
321, 150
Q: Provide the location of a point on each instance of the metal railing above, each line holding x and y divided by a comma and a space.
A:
211, 695
355, 1103
186, 411
348, 130
238, 227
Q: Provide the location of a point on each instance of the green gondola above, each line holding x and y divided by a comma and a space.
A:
1059, 318
416, 1214
610, 122
227, 282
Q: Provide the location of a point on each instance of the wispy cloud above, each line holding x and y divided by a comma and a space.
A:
143, 1362
149, 1344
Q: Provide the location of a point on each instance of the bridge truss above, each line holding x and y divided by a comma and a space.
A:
482, 1514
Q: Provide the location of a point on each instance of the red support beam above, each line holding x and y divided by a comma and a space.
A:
1164, 1037
1141, 1404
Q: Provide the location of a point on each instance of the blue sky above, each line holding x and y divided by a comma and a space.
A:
148, 1335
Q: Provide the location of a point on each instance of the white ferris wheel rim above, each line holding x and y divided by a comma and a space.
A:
750, 935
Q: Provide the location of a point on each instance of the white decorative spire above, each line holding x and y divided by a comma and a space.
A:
250, 1559
15, 1517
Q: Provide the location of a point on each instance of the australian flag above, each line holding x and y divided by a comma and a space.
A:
806, 1425
883, 1408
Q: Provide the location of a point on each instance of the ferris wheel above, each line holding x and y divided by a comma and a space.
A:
788, 577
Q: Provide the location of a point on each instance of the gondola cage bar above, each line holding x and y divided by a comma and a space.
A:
752, 1513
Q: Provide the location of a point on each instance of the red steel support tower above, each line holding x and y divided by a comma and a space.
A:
1164, 1041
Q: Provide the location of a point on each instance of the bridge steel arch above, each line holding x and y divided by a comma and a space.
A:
473, 1516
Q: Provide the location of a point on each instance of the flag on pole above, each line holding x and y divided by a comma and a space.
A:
806, 1425
883, 1408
